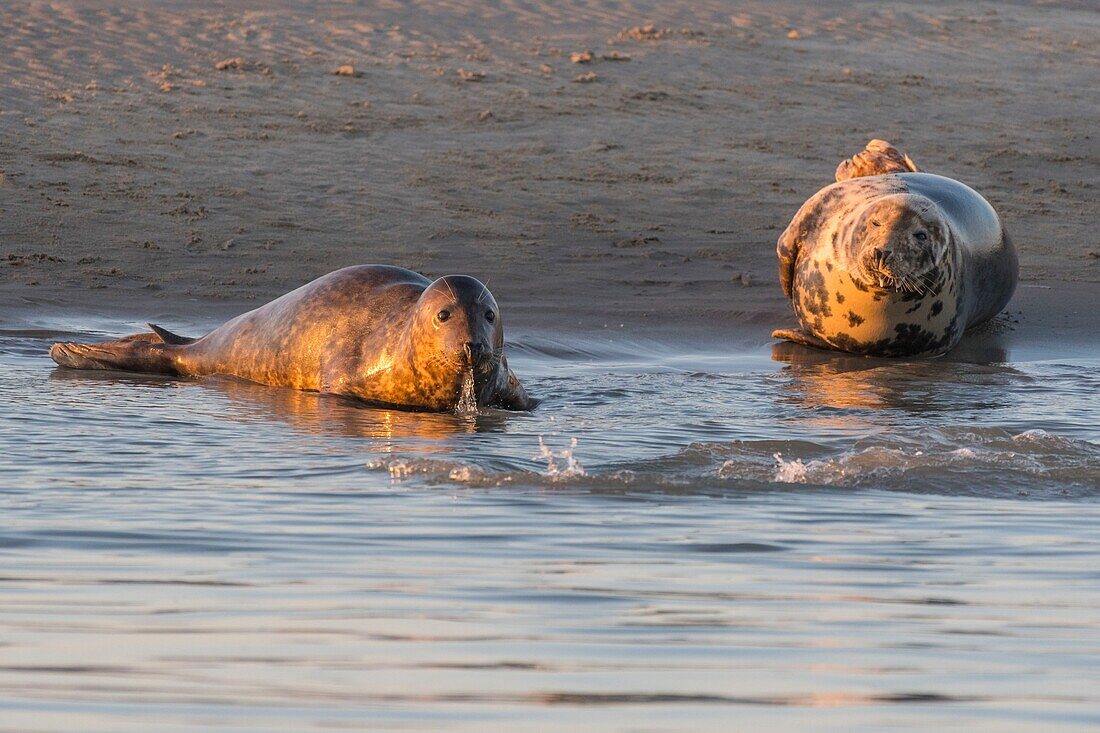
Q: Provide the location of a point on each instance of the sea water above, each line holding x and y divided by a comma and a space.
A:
676, 540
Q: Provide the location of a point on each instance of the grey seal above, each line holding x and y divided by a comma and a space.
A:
890, 261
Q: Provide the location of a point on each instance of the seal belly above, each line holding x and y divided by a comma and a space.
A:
851, 317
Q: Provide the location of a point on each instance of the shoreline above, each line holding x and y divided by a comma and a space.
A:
1044, 321
181, 166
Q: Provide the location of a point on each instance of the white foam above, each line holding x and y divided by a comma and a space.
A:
787, 472
398, 468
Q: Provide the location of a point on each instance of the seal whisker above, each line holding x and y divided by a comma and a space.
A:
929, 283
448, 284
484, 291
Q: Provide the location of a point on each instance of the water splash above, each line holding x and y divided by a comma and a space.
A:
560, 464
467, 398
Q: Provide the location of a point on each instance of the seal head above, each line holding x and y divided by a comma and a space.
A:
459, 326
456, 334
899, 245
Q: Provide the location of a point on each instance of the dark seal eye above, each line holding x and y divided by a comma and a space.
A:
921, 236
875, 222
490, 316
443, 315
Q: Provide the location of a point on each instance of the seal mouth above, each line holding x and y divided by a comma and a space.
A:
881, 278
459, 362
479, 359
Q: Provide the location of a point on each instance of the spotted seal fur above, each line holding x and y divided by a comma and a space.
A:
382, 334
889, 261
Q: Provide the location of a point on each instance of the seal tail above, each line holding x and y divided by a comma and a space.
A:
878, 158
141, 352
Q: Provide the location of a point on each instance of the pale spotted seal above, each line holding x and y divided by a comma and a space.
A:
888, 261
382, 334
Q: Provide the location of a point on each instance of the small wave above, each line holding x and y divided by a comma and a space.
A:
561, 465
985, 461
400, 468
988, 459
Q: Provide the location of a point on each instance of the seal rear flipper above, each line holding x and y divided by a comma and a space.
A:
799, 336
170, 338
137, 353
878, 158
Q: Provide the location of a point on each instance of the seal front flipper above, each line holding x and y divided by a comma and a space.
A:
798, 336
513, 396
803, 225
141, 352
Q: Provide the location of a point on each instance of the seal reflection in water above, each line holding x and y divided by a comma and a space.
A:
382, 334
888, 261
312, 413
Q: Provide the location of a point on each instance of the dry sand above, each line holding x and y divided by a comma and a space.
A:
190, 160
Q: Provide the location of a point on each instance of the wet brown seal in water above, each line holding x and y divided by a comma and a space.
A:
889, 261
382, 334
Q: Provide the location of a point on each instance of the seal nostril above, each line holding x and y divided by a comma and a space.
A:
473, 351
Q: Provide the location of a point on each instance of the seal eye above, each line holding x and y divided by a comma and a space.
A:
443, 315
921, 236
875, 223
490, 316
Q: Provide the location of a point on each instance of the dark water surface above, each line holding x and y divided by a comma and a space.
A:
764, 539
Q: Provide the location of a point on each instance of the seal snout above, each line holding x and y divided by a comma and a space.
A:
477, 353
881, 257
877, 262
899, 269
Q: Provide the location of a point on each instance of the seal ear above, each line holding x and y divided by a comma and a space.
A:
878, 158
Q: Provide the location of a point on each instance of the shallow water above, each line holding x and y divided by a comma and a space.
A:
673, 541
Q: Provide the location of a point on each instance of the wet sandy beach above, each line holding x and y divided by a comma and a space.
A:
139, 177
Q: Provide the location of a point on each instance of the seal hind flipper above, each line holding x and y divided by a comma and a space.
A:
798, 336
136, 353
878, 158
170, 338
